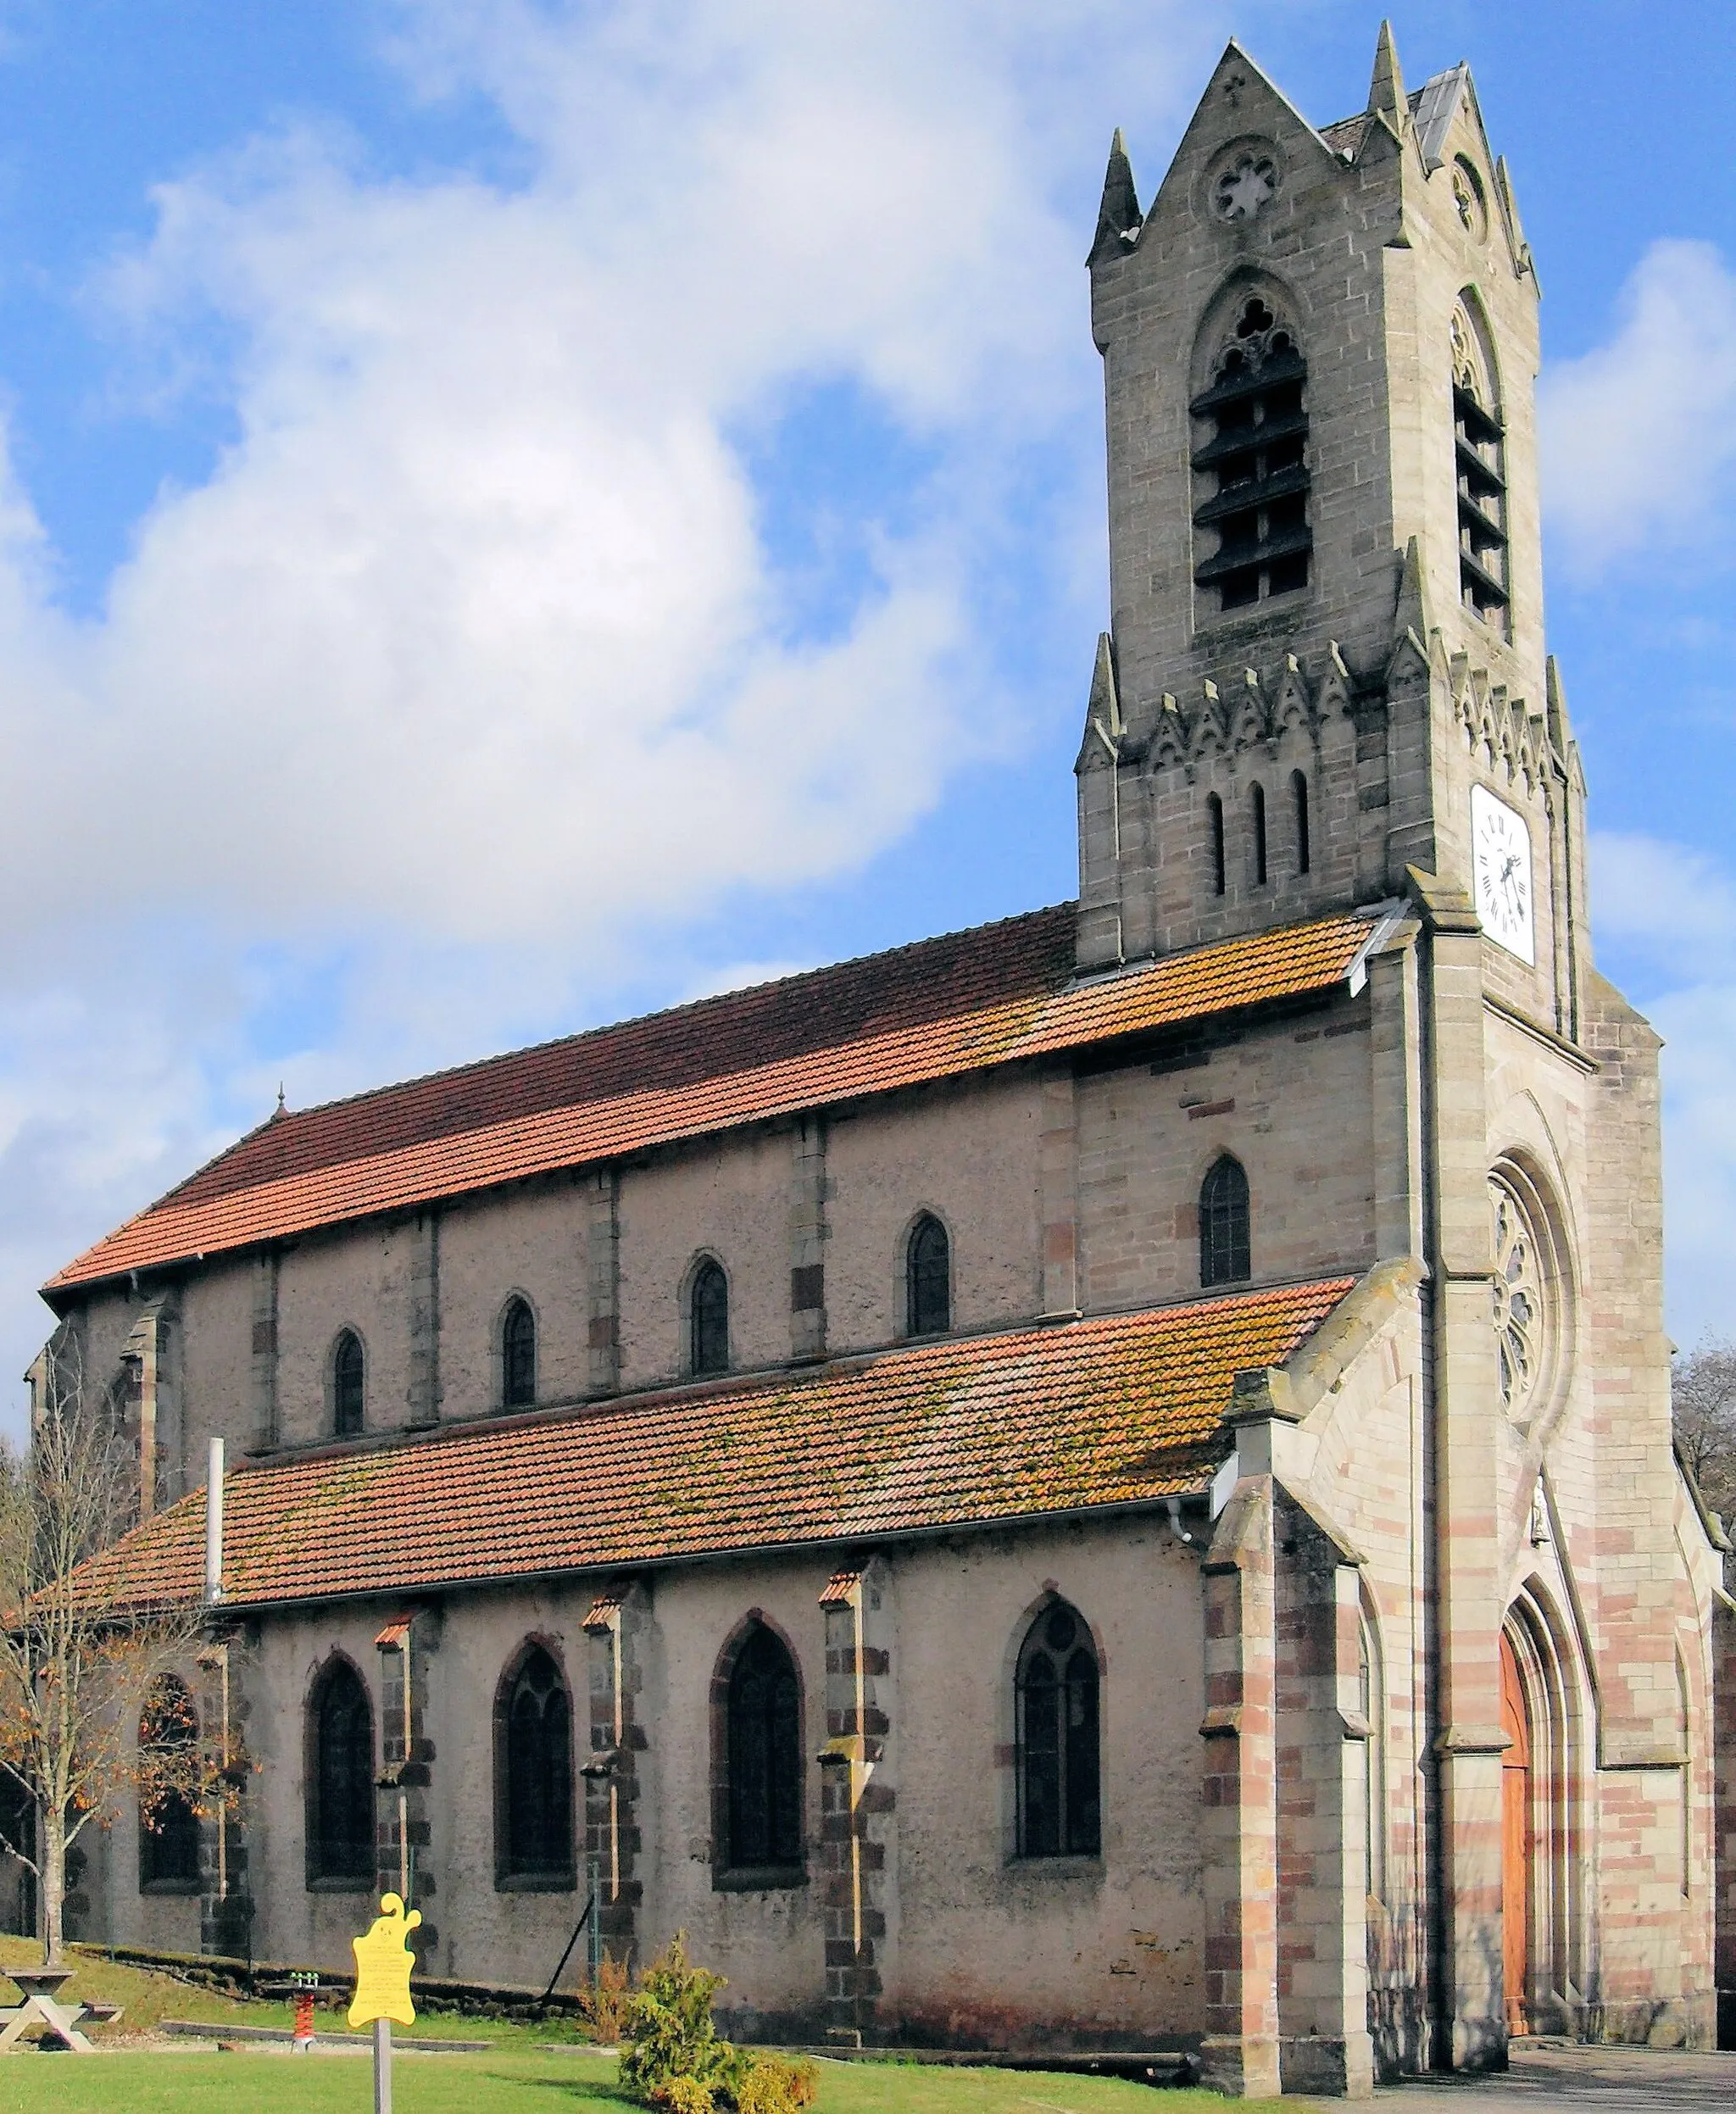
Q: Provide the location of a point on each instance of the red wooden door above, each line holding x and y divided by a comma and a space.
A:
1516, 1842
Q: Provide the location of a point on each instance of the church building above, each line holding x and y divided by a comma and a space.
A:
1103, 1481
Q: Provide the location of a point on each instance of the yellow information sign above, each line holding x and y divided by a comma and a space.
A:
383, 1964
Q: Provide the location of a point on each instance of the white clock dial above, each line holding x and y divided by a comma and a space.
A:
1500, 857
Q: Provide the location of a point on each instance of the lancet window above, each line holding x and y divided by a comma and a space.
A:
169, 1826
340, 1779
928, 1279
1253, 463
534, 1775
707, 1318
348, 1385
518, 1356
1060, 1765
1226, 1245
763, 1762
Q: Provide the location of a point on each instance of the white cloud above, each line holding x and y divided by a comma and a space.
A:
1638, 436
469, 659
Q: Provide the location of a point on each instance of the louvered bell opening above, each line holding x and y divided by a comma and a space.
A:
1256, 456
1482, 499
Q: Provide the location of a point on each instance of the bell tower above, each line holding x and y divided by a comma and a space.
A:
1319, 351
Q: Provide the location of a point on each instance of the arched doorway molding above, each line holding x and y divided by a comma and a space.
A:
1559, 1716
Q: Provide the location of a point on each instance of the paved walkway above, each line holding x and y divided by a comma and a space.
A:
1605, 2080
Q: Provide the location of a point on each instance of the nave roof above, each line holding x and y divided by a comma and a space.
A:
1108, 1411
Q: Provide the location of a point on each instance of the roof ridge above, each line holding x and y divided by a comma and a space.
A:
280, 1117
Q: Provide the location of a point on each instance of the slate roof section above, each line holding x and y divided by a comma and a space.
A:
938, 1009
1114, 1410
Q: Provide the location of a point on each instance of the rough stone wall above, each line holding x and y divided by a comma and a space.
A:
1290, 1098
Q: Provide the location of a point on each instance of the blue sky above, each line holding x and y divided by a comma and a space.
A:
515, 513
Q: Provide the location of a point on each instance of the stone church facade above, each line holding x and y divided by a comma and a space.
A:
1101, 1481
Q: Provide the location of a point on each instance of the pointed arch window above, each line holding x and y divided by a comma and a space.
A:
518, 1356
534, 1773
763, 1763
1260, 861
169, 1825
1215, 832
1225, 1245
1059, 1758
928, 1278
1299, 794
340, 1780
1252, 463
707, 1318
349, 1382
1479, 450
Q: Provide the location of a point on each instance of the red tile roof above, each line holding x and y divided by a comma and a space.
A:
1115, 1409
943, 1007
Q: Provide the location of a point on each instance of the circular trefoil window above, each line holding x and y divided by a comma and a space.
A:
1518, 1299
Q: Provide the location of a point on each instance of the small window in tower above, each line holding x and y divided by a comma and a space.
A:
1260, 836
1298, 787
1479, 453
1215, 826
1253, 464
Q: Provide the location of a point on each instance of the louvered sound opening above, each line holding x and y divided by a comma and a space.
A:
1482, 506
1256, 458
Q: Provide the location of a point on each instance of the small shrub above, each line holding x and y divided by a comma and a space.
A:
766, 2084
668, 2035
684, 2095
605, 2004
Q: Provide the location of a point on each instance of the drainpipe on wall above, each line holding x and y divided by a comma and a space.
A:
214, 1525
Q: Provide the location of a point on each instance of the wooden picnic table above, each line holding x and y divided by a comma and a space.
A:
42, 2006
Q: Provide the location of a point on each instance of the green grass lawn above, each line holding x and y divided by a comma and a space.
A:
518, 2082
517, 2076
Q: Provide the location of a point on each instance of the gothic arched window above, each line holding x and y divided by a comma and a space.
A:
762, 1755
1225, 1247
1215, 828
340, 1779
1298, 793
1260, 862
169, 1826
707, 1318
928, 1279
518, 1356
1479, 453
1058, 1760
534, 1772
348, 1385
1252, 462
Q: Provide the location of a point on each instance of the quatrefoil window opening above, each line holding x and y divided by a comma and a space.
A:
1245, 186
1467, 369
1518, 1299
1468, 201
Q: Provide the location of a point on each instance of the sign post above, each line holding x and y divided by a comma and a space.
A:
383, 1964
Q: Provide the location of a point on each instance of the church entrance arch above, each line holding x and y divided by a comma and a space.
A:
1516, 1841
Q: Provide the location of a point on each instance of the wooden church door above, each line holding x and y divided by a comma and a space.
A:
1516, 1841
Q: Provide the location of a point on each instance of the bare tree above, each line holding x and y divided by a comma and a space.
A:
1703, 1410
79, 1664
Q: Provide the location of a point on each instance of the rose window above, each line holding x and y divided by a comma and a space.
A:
1518, 1299
1245, 186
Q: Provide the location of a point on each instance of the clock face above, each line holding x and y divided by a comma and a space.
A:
1500, 854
